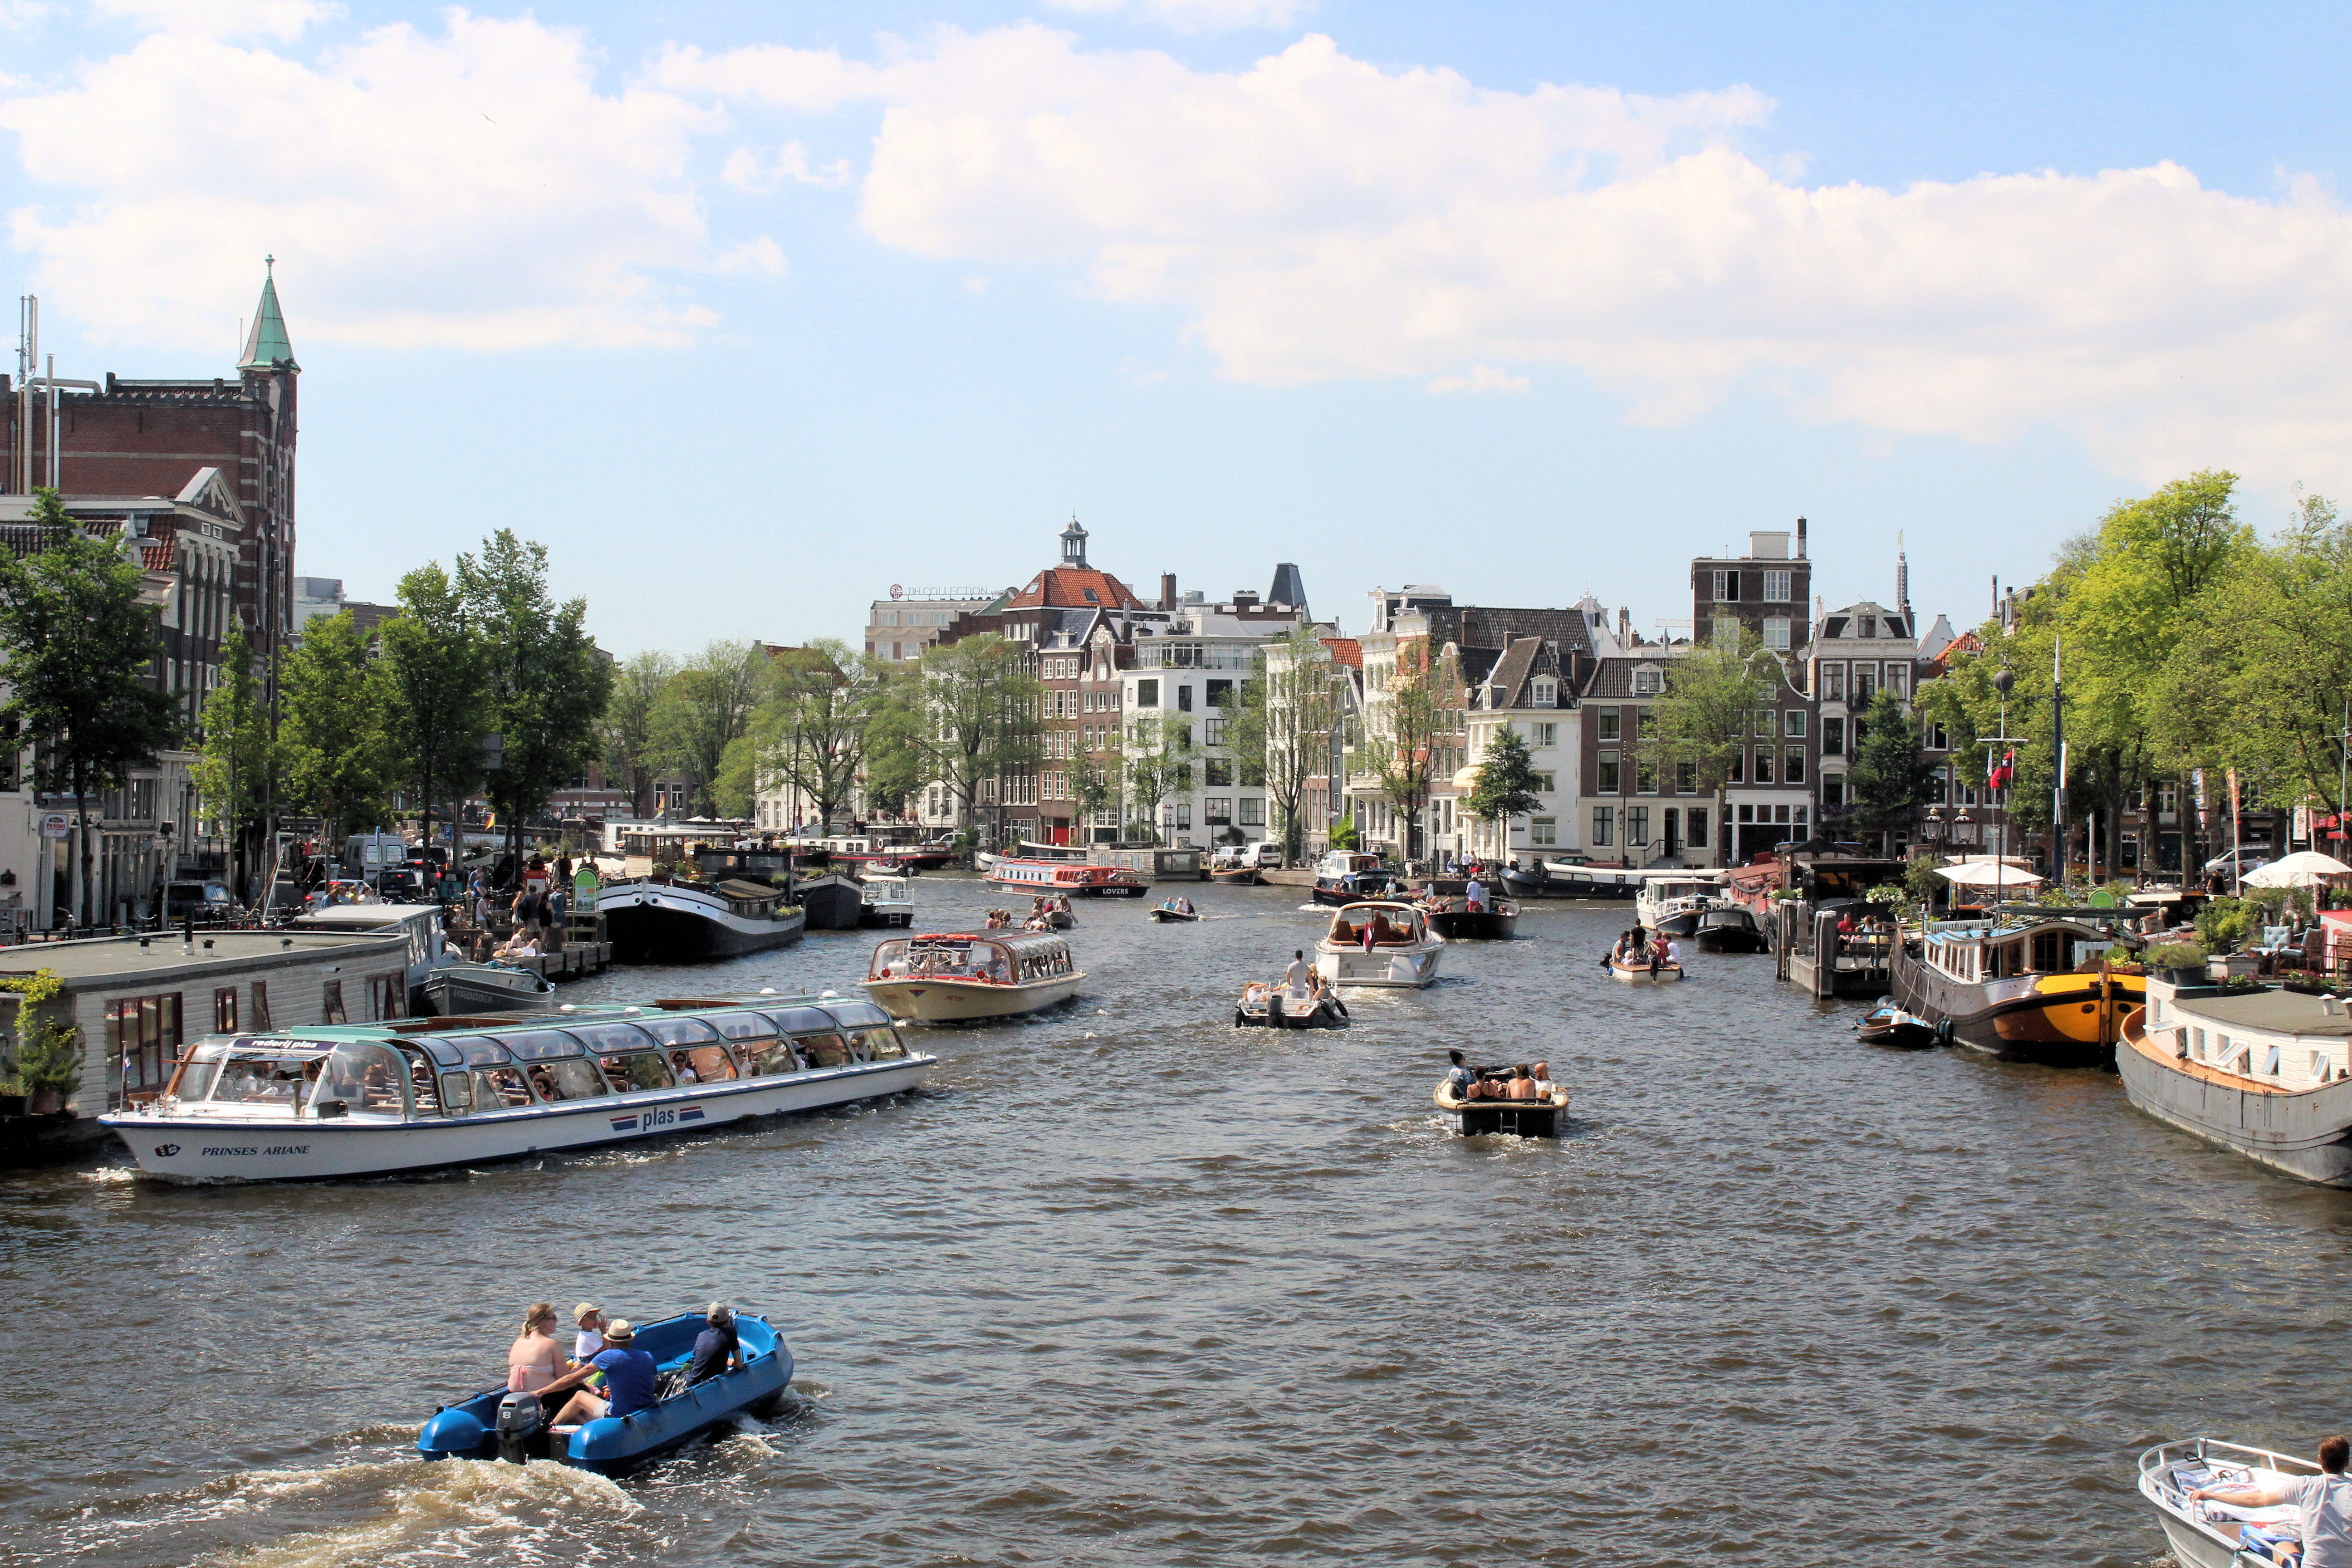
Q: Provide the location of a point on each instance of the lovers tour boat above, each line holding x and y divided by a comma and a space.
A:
2029, 984
440, 982
2217, 1533
965, 976
889, 903
499, 1425
2267, 1074
1378, 942
1344, 875
667, 919
353, 1099
1073, 878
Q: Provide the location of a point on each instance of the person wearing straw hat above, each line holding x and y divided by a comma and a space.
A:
588, 1320
628, 1379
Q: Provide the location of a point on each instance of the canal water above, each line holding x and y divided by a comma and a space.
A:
1127, 1285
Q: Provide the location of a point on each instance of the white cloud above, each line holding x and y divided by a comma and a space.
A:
748, 169
222, 18
1317, 216
1482, 378
1191, 16
762, 254
473, 188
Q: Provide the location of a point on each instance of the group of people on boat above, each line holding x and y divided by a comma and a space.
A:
607, 1374
1178, 906
1473, 898
1377, 930
1637, 949
1528, 1081
1042, 910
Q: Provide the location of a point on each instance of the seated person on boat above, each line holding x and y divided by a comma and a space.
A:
535, 1361
1461, 1075
1522, 1086
716, 1348
2322, 1504
628, 1380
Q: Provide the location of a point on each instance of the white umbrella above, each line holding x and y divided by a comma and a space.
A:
2304, 868
1986, 874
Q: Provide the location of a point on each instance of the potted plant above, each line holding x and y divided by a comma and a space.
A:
2182, 962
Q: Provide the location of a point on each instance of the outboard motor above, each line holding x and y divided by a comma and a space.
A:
522, 1427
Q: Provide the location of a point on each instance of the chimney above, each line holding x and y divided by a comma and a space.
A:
1625, 626
1902, 579
1800, 539
1167, 590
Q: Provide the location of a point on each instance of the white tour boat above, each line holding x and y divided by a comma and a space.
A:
2207, 1535
1402, 951
889, 902
368, 1099
1671, 902
959, 977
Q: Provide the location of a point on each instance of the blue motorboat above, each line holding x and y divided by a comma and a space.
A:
480, 1429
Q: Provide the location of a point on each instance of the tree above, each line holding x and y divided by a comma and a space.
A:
896, 757
704, 709
1417, 707
631, 747
1703, 715
1890, 778
813, 732
981, 719
432, 673
1156, 753
1504, 785
333, 739
234, 767
1284, 718
544, 682
1094, 788
78, 649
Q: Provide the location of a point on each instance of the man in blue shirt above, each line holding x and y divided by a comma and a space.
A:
628, 1379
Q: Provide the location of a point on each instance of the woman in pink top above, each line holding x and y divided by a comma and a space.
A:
536, 1360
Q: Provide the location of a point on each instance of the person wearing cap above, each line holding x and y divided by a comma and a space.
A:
716, 1348
629, 1378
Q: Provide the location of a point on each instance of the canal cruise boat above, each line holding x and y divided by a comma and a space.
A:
1402, 950
961, 977
2027, 985
423, 1094
1074, 879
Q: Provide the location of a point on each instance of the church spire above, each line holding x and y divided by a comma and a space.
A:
266, 347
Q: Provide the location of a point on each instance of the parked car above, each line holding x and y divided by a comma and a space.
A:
2245, 857
205, 901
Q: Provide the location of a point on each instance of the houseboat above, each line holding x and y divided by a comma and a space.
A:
1378, 942
831, 900
416, 1094
1571, 879
673, 919
441, 982
1671, 902
1344, 875
2264, 1073
1075, 878
2033, 986
888, 902
959, 977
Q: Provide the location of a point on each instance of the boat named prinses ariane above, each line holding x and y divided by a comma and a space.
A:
421, 1094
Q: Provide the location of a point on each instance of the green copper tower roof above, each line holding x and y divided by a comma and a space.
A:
267, 345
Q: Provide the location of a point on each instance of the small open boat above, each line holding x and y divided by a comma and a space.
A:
1887, 1025
1497, 921
1060, 920
1165, 914
1238, 875
2212, 1533
1519, 1118
498, 1425
1263, 1007
1644, 974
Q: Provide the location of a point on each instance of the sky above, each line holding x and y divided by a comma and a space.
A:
748, 312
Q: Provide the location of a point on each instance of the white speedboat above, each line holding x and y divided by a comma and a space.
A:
1671, 902
964, 977
371, 1099
889, 902
1379, 942
2207, 1535
441, 981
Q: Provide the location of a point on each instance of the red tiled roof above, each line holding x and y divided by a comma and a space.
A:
155, 555
1347, 651
1074, 588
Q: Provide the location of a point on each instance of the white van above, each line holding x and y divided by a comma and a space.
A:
1265, 855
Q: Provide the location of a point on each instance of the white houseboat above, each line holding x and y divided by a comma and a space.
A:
1378, 942
1671, 902
965, 976
2266, 1073
364, 1100
889, 901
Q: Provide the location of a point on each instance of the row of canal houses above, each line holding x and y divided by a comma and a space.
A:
1579, 684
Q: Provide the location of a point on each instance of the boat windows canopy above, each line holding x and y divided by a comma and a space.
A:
542, 1045
743, 1025
801, 1020
679, 1031
858, 1015
609, 1038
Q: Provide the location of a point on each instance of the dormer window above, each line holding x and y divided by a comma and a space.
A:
1865, 625
1089, 593
1645, 681
1547, 693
